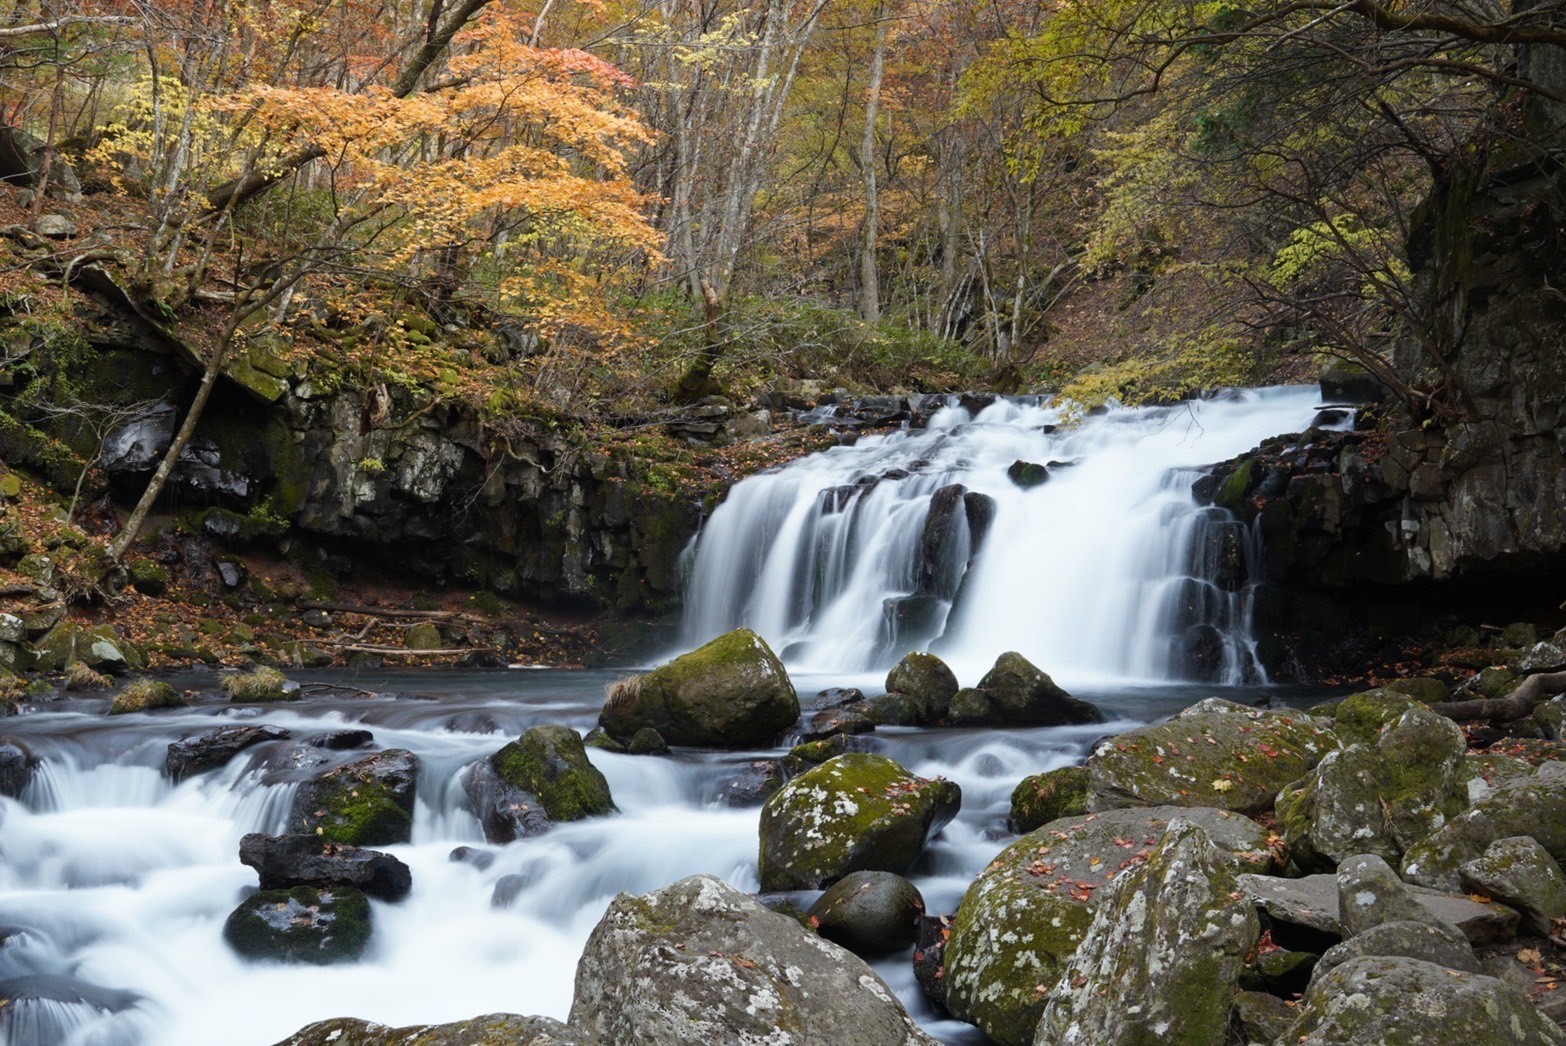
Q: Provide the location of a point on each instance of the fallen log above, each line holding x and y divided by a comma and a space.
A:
402, 651
1530, 693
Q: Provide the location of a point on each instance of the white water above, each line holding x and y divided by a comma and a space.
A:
1084, 575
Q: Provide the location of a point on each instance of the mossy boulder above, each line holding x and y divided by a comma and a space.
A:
1379, 798
731, 693
368, 802
813, 753
1022, 919
855, 812
925, 678
897, 709
261, 684
700, 962
1413, 939
1162, 959
97, 648
1397, 1001
145, 694
424, 636
1521, 874
550, 762
1215, 753
1015, 692
301, 925
1360, 717
1522, 806
1425, 689
495, 1029
1049, 796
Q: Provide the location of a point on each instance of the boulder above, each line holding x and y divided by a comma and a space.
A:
647, 741
1259, 1017
1528, 806
855, 812
1430, 941
870, 913
98, 648
929, 958
286, 861
1380, 798
731, 693
1023, 917
1161, 961
550, 762
830, 722
1312, 902
16, 768
144, 695
197, 753
896, 709
1483, 773
1049, 796
1215, 753
22, 159
495, 1029
1551, 717
424, 636
1015, 692
302, 924
926, 679
1520, 874
699, 962
505, 812
1359, 717
1384, 1000
753, 784
813, 753
1370, 893
1027, 474
368, 802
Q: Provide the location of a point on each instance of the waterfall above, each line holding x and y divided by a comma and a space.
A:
1078, 545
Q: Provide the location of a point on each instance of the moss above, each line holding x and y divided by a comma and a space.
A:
1049, 796
423, 636
23, 445
359, 810
1234, 489
145, 694
147, 577
303, 924
259, 684
551, 763
1360, 717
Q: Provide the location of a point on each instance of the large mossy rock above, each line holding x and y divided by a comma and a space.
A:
1431, 941
1378, 798
1016, 692
1396, 1001
302, 924
97, 648
927, 680
1022, 919
495, 1029
699, 962
731, 693
1215, 753
1161, 961
1049, 796
550, 762
1359, 718
144, 695
856, 812
1521, 874
1520, 806
368, 802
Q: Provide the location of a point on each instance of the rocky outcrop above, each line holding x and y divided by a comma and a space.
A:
1520, 806
856, 812
730, 693
699, 962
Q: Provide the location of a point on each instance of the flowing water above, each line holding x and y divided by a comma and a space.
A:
115, 883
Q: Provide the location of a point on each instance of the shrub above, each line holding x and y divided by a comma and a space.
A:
79, 677
144, 694
262, 684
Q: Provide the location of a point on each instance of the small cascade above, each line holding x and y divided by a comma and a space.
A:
1000, 526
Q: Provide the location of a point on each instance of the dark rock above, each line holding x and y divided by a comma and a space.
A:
647, 741
231, 574
699, 962
837, 697
507, 889
16, 768
1049, 796
833, 721
929, 958
505, 812
897, 710
813, 753
301, 925
197, 753
342, 740
286, 861
480, 859
731, 693
927, 679
550, 762
21, 163
368, 802
1347, 383
1016, 693
753, 784
1027, 474
495, 1029
870, 913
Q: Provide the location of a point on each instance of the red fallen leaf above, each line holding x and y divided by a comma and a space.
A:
918, 957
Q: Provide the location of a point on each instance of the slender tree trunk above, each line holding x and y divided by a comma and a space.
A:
869, 271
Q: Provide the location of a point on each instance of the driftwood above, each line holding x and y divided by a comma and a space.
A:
423, 615
402, 651
1521, 702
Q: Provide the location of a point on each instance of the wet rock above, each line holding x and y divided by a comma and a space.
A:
1027, 474
495, 1029
870, 913
731, 693
1312, 902
480, 859
1049, 796
925, 678
1380, 1000
505, 812
198, 753
1430, 941
753, 784
1017, 693
855, 812
368, 802
1161, 961
342, 740
507, 889
929, 958
647, 741
833, 721
1024, 916
1522, 806
837, 697
699, 962
303, 924
896, 709
1379, 799
550, 762
813, 753
16, 768
286, 861
1215, 753
1520, 874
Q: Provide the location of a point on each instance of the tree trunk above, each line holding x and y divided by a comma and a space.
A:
869, 271
1521, 702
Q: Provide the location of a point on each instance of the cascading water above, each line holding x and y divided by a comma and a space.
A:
1104, 569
